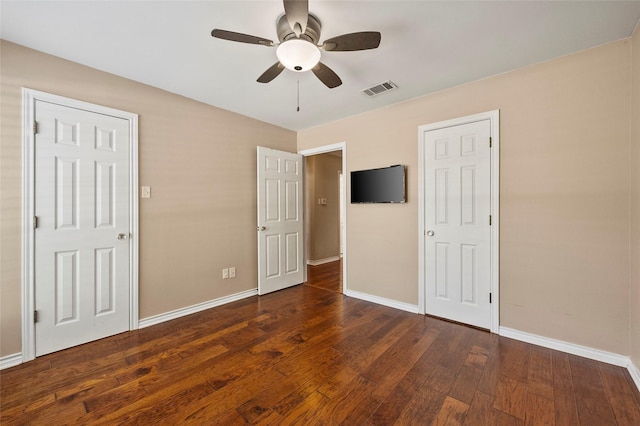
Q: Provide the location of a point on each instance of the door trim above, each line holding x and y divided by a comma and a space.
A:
341, 146
29, 98
494, 119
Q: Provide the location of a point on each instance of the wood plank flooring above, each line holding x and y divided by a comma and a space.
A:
327, 276
309, 355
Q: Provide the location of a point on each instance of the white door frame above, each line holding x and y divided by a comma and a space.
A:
29, 98
494, 118
342, 146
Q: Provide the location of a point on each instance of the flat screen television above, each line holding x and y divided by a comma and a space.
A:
384, 185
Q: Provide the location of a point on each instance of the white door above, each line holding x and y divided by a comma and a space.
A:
82, 235
457, 214
280, 220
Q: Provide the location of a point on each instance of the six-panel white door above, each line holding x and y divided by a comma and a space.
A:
458, 234
280, 220
82, 285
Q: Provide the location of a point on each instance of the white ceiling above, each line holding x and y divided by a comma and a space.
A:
426, 46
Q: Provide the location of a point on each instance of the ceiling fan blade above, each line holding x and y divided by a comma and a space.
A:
297, 12
239, 37
326, 75
354, 41
272, 72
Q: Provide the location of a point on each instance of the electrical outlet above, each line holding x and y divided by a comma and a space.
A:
232, 272
225, 273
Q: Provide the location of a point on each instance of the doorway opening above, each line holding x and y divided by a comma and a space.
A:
325, 217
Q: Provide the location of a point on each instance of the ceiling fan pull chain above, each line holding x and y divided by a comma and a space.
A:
298, 109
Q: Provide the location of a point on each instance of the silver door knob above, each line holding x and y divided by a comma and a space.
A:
261, 228
430, 233
123, 236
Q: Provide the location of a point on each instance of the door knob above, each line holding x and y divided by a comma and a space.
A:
261, 228
430, 233
123, 236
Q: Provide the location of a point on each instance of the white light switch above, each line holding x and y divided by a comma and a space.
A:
146, 192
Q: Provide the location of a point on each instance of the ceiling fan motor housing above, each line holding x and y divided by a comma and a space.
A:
311, 34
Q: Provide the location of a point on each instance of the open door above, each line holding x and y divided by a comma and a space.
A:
280, 220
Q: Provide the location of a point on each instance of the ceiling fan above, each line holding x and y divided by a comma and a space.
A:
299, 32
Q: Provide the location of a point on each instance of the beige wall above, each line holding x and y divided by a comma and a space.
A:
565, 133
634, 306
564, 194
323, 221
200, 162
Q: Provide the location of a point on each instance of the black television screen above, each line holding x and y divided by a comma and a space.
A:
385, 185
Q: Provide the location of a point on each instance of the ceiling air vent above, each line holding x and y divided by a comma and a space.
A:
380, 88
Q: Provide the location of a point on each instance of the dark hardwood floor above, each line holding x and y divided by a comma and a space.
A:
308, 355
327, 276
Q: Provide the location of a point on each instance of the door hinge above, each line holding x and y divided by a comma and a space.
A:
35, 222
35, 127
490, 142
35, 317
490, 298
490, 220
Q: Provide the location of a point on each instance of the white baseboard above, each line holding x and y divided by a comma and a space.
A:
322, 261
635, 373
167, 316
382, 301
572, 348
10, 360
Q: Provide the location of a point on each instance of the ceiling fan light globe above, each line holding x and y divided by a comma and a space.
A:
298, 55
